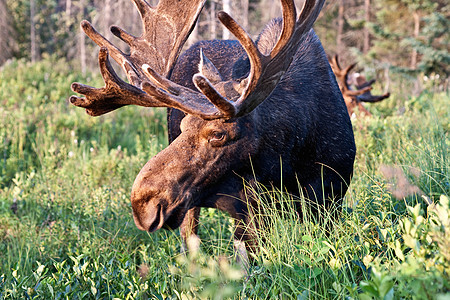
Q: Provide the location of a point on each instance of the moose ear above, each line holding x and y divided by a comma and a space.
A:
208, 70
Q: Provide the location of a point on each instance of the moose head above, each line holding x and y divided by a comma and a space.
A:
354, 98
239, 111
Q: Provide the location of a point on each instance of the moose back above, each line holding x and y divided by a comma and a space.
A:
239, 112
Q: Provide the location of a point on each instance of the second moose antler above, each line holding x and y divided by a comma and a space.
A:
354, 98
240, 111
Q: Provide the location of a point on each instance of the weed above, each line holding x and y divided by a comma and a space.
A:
66, 230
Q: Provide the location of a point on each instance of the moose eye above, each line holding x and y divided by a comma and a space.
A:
217, 138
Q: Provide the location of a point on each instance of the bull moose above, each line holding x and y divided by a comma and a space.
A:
239, 112
354, 98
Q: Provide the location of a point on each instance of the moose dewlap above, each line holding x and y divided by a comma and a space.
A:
239, 112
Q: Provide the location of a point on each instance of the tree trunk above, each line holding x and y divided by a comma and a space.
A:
6, 34
269, 9
244, 13
366, 46
340, 29
68, 12
82, 42
107, 17
212, 20
34, 52
416, 18
226, 8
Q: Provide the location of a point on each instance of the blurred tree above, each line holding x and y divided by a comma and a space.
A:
212, 20
366, 45
7, 33
226, 7
20, 21
412, 36
33, 41
340, 26
433, 45
407, 35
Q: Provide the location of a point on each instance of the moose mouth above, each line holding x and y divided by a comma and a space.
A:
174, 220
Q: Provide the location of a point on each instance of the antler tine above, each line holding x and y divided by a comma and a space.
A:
347, 70
342, 76
334, 62
289, 22
364, 84
177, 96
293, 27
361, 84
368, 97
337, 67
261, 84
353, 93
226, 107
166, 29
255, 56
362, 93
169, 36
101, 41
116, 92
143, 7
122, 34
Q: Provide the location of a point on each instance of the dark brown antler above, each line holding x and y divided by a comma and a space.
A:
361, 83
353, 98
265, 70
342, 77
166, 29
116, 92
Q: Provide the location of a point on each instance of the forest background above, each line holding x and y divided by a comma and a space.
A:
402, 36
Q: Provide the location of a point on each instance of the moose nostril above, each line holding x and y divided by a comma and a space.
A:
155, 226
155, 221
150, 220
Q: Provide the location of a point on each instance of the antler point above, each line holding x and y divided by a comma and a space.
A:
75, 86
86, 25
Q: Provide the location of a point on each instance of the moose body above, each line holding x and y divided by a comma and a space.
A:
296, 133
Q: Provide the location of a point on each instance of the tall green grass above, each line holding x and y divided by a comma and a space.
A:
66, 230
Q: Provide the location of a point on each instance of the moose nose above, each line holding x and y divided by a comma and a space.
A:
150, 220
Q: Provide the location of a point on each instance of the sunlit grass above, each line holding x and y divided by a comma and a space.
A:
66, 230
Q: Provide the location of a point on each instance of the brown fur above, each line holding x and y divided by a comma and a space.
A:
272, 114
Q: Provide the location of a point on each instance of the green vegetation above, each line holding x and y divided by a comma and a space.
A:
66, 230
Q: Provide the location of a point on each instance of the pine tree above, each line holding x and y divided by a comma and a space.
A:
412, 36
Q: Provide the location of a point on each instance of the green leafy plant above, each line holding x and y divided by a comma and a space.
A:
66, 227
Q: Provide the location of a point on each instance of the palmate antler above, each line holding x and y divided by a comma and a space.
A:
150, 62
166, 29
353, 98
